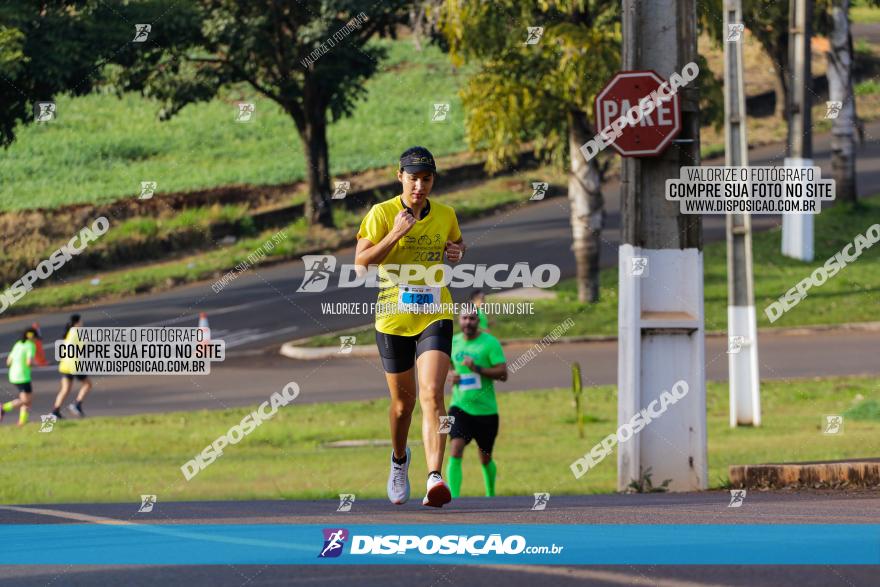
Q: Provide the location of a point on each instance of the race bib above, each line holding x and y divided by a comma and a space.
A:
418, 298
469, 382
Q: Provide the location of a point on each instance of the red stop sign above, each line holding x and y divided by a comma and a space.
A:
655, 131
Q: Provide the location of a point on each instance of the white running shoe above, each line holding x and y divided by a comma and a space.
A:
438, 492
398, 480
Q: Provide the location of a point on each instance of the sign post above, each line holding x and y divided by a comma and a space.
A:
653, 134
660, 311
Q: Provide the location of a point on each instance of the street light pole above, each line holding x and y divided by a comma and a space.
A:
797, 229
745, 393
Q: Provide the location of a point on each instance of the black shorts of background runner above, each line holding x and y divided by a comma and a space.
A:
70, 376
399, 353
483, 429
24, 387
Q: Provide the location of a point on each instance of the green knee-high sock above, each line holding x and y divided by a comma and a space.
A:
489, 478
453, 475
23, 415
7, 407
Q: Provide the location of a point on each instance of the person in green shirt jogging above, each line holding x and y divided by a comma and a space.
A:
19, 361
478, 361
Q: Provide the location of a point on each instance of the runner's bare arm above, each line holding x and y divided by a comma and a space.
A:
369, 253
498, 372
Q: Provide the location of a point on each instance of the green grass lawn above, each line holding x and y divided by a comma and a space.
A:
853, 295
101, 147
470, 202
118, 459
862, 13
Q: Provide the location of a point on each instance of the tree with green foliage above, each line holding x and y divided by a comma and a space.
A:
311, 58
49, 48
540, 91
767, 20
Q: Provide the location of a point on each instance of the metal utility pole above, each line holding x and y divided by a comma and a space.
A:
660, 314
840, 89
797, 229
745, 392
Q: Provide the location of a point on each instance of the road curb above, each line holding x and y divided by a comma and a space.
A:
292, 349
827, 474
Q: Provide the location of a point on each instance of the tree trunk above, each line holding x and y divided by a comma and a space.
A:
781, 82
587, 208
840, 89
314, 138
780, 87
416, 22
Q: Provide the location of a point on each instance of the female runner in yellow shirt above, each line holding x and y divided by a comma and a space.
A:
410, 333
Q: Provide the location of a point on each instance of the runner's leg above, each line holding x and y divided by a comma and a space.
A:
62, 393
453, 466
432, 363
486, 443
402, 387
84, 390
24, 408
11, 405
432, 366
398, 362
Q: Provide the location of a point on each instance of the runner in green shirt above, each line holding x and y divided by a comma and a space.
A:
478, 360
19, 361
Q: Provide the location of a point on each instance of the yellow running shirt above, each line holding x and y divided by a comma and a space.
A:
68, 366
422, 245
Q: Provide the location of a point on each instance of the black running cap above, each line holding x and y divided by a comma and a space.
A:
417, 159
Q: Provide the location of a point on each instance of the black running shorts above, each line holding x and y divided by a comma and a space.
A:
399, 353
483, 429
24, 387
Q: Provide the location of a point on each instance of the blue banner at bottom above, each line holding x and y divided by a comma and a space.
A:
276, 544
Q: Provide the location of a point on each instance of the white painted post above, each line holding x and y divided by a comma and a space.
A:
744, 383
660, 311
797, 229
661, 341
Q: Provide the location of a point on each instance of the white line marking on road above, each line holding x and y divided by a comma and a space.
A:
214, 312
235, 338
66, 515
153, 528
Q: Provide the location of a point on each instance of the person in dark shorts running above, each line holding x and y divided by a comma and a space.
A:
413, 318
478, 361
67, 368
19, 361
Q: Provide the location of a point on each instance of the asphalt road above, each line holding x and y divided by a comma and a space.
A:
249, 380
260, 309
770, 509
